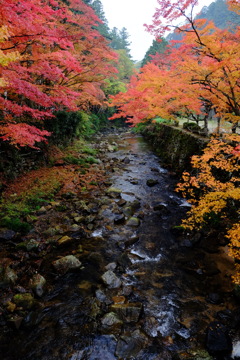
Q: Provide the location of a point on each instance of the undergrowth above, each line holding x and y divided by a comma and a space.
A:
26, 195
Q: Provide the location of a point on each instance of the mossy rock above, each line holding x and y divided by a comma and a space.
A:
25, 301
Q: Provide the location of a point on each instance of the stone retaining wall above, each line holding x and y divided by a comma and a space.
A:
174, 146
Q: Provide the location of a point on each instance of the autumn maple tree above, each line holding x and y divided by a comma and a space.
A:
52, 57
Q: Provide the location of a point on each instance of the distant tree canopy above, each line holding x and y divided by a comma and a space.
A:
158, 46
120, 40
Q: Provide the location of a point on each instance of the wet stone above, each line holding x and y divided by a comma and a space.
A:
114, 192
102, 297
9, 276
119, 299
131, 241
111, 323
64, 240
152, 182
127, 211
127, 290
134, 181
85, 285
111, 266
15, 322
160, 207
38, 283
119, 219
74, 227
128, 312
6, 234
126, 160
129, 345
150, 326
66, 263
121, 202
134, 222
111, 280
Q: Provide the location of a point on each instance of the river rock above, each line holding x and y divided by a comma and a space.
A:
151, 326
66, 263
160, 206
25, 301
6, 234
127, 211
111, 323
111, 280
130, 344
126, 160
218, 340
64, 240
8, 276
122, 202
131, 241
134, 222
102, 297
37, 283
111, 266
152, 182
114, 192
127, 312
119, 219
15, 322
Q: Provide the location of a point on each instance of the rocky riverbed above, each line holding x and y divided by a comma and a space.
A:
109, 274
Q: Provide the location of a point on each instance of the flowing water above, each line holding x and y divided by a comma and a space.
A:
168, 290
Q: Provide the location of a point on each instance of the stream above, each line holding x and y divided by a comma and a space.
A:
145, 291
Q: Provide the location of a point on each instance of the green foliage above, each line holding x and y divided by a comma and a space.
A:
68, 125
70, 159
193, 127
157, 47
15, 224
160, 120
125, 66
140, 127
16, 210
89, 151
119, 39
64, 126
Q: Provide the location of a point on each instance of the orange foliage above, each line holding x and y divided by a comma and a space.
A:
202, 72
214, 191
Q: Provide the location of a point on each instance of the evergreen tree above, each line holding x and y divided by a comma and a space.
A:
119, 40
97, 6
158, 46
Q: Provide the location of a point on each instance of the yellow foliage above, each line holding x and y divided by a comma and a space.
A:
6, 58
214, 191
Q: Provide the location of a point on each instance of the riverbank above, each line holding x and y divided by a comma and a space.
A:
106, 273
175, 146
